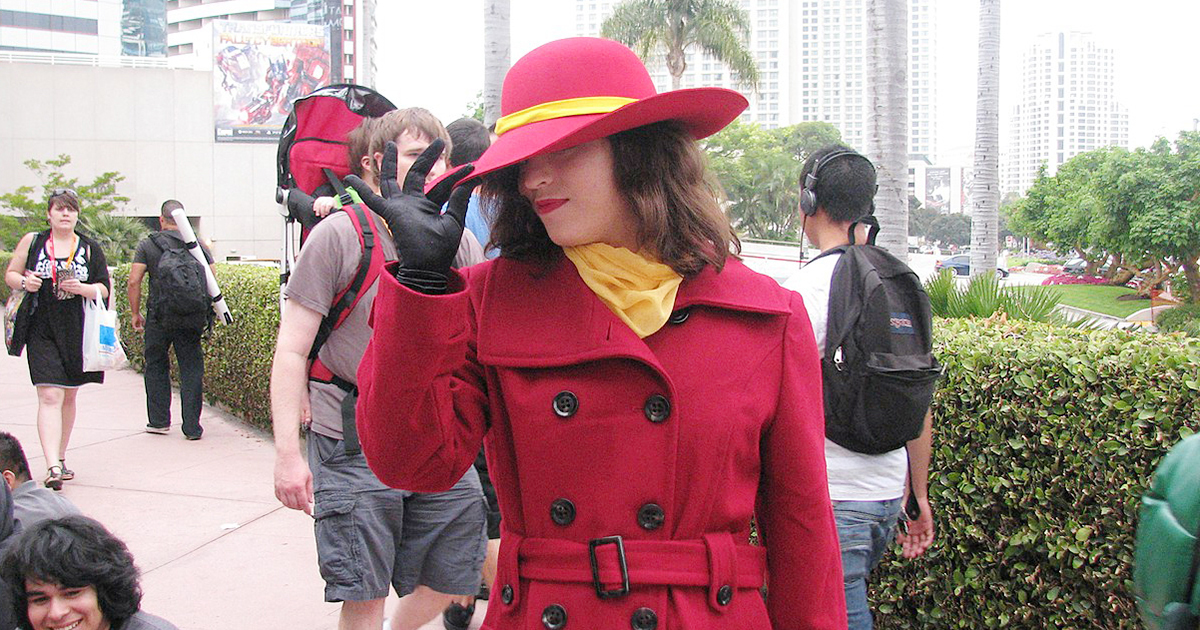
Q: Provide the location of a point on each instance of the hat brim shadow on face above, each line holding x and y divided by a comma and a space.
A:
701, 111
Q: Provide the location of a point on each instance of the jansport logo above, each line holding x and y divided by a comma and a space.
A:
902, 324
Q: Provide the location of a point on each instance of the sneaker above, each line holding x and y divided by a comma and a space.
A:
157, 430
191, 438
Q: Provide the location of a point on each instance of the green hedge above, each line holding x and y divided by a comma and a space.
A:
237, 358
1044, 440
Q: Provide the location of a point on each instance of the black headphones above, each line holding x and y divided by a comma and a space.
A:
808, 192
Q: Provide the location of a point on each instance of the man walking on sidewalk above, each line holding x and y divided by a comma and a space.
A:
177, 314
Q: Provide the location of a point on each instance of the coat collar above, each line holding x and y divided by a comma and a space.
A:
543, 316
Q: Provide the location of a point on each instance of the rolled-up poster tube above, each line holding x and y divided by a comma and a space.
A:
214, 291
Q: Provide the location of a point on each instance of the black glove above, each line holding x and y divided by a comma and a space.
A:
425, 239
300, 208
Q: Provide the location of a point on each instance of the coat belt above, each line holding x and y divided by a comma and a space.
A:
713, 561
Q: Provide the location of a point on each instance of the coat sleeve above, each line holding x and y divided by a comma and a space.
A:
422, 399
795, 519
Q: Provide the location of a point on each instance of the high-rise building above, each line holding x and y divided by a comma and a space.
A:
810, 56
1068, 106
144, 28
89, 28
350, 29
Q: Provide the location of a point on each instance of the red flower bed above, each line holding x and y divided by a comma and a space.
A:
1068, 278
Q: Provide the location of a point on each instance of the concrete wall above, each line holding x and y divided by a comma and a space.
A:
155, 127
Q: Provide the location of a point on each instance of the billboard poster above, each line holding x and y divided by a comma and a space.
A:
937, 189
259, 68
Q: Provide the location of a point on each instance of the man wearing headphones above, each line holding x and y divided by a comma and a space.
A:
867, 491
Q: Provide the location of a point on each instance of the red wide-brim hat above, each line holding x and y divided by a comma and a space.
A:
576, 90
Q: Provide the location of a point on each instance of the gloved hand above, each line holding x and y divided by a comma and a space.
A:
425, 239
300, 207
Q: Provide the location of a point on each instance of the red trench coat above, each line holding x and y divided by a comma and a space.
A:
670, 443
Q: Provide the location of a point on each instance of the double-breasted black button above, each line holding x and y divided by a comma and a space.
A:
680, 316
566, 404
562, 512
724, 595
506, 594
651, 516
643, 619
554, 617
657, 408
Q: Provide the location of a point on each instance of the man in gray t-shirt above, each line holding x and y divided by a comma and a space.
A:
369, 537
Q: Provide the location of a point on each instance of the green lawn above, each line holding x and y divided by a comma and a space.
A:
1099, 298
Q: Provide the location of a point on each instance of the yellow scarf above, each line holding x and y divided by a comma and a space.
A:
638, 290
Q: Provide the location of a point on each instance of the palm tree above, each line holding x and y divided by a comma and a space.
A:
887, 118
985, 187
496, 55
718, 27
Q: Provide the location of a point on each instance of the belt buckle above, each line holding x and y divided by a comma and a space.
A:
600, 591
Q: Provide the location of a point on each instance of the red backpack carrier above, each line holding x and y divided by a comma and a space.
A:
313, 151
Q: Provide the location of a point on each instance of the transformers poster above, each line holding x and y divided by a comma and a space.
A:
259, 68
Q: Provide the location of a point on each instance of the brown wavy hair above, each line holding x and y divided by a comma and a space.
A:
662, 174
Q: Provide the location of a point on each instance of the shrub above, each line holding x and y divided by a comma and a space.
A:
984, 297
237, 358
1184, 318
1044, 440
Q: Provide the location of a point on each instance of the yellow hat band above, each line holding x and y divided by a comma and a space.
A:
561, 109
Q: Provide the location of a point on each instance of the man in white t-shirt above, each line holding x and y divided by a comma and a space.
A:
867, 491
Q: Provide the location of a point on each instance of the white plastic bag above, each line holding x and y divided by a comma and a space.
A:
101, 345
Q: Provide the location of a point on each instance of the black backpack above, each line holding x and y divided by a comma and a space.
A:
181, 299
878, 368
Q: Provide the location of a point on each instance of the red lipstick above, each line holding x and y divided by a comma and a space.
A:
546, 206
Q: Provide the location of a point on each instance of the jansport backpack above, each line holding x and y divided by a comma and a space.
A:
878, 368
180, 287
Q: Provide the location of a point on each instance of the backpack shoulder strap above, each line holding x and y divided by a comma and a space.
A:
848, 290
369, 265
343, 196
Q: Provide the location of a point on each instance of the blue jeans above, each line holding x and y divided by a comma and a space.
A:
865, 528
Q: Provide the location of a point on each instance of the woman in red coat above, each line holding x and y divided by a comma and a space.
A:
641, 394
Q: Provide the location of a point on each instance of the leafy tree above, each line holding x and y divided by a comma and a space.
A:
760, 172
920, 218
951, 229
97, 199
718, 27
475, 108
1138, 210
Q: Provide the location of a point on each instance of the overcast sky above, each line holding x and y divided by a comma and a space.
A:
431, 54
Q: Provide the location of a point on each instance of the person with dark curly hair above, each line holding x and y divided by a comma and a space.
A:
71, 572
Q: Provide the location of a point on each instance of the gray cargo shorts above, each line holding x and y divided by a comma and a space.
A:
370, 536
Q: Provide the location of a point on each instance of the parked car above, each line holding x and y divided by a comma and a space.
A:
1075, 266
961, 264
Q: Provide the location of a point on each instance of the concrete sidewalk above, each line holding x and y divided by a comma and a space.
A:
216, 549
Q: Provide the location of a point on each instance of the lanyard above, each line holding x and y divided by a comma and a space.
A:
54, 261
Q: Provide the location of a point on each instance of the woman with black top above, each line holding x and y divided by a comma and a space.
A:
61, 267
